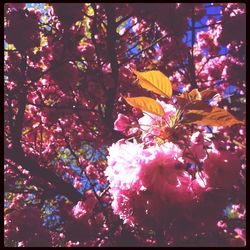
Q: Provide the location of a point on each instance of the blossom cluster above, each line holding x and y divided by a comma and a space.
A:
159, 185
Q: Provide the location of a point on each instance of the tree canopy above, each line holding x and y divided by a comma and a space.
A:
124, 124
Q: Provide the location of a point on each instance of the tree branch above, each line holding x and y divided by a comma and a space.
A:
123, 19
191, 58
111, 44
205, 26
61, 187
129, 28
147, 48
18, 124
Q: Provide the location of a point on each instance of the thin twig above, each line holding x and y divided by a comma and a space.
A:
147, 48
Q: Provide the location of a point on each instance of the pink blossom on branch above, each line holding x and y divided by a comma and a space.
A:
121, 123
147, 176
125, 125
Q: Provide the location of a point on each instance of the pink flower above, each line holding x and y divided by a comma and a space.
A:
72, 244
149, 187
91, 201
199, 152
197, 146
221, 224
79, 210
150, 119
91, 171
197, 138
151, 124
121, 123
77, 183
223, 169
145, 183
169, 110
159, 173
241, 234
200, 183
123, 164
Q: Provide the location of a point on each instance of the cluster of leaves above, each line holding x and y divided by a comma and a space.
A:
193, 105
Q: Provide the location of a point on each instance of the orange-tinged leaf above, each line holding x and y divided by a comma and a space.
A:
146, 104
193, 100
185, 98
192, 118
194, 94
216, 117
155, 81
198, 105
184, 95
208, 94
182, 99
